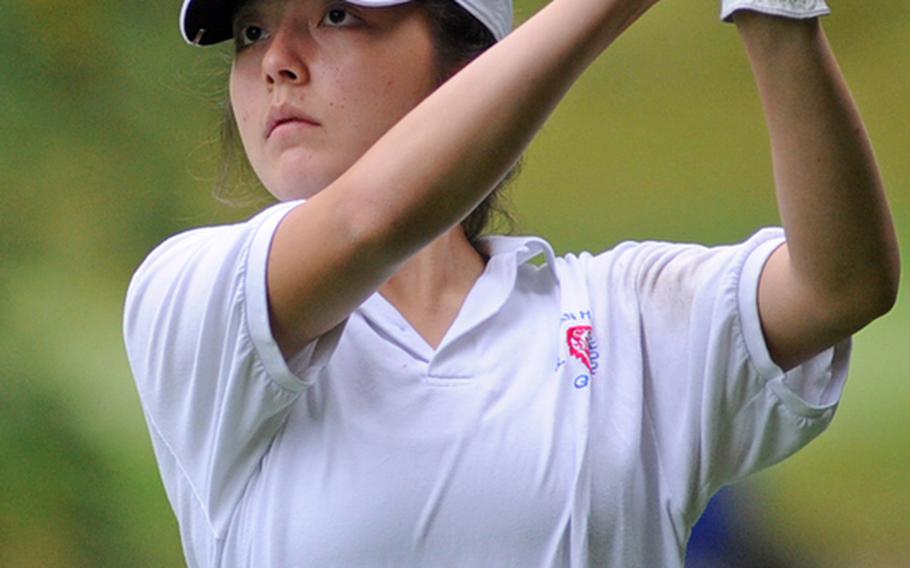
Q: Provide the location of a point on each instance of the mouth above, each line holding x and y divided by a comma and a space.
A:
281, 117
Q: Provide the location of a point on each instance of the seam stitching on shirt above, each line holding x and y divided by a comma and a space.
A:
183, 473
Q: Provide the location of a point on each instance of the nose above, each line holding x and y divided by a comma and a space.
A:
284, 61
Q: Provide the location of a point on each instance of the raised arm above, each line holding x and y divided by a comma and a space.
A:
431, 169
840, 267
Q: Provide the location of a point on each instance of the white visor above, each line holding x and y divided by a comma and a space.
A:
206, 22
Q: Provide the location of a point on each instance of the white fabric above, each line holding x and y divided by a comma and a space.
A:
524, 439
798, 9
496, 15
213, 17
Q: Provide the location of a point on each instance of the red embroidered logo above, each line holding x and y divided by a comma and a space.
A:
579, 340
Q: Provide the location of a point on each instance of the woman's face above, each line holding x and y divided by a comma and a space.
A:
316, 82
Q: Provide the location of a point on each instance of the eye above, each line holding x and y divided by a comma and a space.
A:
339, 17
250, 34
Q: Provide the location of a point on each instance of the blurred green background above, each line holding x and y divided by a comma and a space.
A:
107, 123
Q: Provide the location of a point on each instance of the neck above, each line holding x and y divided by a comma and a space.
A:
440, 274
430, 288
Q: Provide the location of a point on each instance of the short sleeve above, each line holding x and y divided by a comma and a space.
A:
213, 384
717, 405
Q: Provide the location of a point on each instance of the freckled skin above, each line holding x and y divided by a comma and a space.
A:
357, 81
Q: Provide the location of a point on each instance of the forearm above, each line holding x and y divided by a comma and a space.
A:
426, 173
442, 159
839, 230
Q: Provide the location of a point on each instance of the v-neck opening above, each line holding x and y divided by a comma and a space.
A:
460, 355
485, 296
404, 324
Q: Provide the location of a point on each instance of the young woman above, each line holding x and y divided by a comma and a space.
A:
352, 378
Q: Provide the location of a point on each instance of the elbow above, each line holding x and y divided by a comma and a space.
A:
855, 304
889, 290
879, 304
887, 283
888, 287
874, 297
876, 287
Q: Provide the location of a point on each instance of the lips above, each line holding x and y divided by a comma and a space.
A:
285, 114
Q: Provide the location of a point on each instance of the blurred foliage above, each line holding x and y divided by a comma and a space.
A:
59, 502
106, 147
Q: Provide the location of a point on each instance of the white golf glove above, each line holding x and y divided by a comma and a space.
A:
798, 9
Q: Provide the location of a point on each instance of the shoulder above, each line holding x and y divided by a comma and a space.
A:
200, 267
201, 247
644, 261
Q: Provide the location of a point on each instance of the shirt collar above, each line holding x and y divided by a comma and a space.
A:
524, 248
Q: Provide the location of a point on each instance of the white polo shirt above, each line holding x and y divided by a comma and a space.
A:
579, 413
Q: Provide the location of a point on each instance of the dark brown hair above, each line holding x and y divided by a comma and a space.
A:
458, 39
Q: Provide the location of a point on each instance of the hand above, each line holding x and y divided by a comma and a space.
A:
798, 9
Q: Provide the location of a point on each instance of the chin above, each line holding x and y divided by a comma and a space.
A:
291, 185
290, 193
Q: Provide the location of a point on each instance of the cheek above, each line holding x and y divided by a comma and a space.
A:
243, 105
403, 91
375, 99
